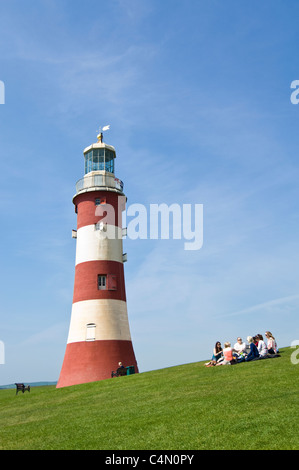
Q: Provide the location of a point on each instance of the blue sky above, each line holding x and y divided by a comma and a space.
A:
197, 94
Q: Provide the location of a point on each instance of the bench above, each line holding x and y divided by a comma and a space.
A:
22, 388
123, 371
119, 372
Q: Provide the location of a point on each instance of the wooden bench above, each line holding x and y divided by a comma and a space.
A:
22, 388
119, 372
123, 371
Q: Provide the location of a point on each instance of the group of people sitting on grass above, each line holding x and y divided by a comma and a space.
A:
242, 352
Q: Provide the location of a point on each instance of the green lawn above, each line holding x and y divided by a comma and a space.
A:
188, 407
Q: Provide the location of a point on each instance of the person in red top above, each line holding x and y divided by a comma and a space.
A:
228, 355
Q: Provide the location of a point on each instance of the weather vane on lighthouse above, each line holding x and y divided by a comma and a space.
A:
100, 134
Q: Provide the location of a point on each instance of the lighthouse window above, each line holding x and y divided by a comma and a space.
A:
90, 332
99, 160
109, 161
101, 282
88, 162
107, 282
100, 200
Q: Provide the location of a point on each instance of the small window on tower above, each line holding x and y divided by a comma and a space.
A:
90, 332
102, 282
100, 200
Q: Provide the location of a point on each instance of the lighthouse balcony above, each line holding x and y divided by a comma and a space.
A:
91, 182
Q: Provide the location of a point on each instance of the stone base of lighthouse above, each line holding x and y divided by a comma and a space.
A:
90, 361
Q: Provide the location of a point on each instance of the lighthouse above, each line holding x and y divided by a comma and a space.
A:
99, 333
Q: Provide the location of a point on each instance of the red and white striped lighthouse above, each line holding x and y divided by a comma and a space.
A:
99, 333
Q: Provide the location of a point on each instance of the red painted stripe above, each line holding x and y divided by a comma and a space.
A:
94, 360
88, 213
86, 281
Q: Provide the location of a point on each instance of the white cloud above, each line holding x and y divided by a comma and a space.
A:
269, 305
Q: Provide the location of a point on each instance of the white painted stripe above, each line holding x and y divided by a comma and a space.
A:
94, 245
109, 316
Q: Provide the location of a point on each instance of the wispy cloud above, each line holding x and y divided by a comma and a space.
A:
270, 304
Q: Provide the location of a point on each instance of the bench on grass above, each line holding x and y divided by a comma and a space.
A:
123, 371
22, 388
119, 372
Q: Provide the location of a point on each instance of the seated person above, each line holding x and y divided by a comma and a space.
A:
253, 353
228, 355
240, 347
121, 370
255, 340
217, 354
271, 345
261, 347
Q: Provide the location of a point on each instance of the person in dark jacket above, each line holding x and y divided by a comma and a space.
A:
253, 353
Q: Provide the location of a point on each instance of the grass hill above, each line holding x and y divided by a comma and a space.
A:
187, 407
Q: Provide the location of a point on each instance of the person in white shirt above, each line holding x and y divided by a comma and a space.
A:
262, 347
240, 347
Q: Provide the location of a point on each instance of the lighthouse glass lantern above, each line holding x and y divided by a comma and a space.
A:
99, 159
